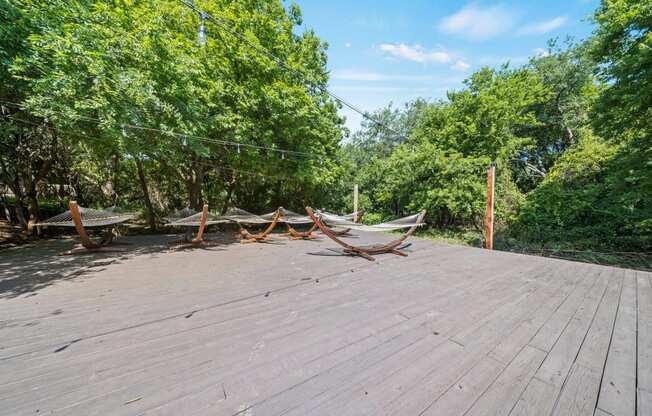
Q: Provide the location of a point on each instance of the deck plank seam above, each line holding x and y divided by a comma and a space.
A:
595, 312
578, 285
613, 327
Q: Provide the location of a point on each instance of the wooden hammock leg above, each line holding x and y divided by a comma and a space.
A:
198, 241
246, 237
87, 245
293, 234
398, 252
359, 253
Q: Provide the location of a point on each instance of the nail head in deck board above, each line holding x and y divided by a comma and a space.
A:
316, 348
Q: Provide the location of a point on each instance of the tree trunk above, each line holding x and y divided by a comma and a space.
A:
114, 180
194, 183
148, 202
229, 193
19, 208
34, 211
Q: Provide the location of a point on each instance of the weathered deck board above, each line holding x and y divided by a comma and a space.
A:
618, 388
269, 329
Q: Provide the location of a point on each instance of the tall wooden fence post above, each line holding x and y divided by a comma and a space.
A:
489, 214
355, 202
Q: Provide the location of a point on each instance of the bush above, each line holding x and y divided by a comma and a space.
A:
596, 195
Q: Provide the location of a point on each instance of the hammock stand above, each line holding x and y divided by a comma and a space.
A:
248, 237
188, 241
74, 218
293, 234
370, 250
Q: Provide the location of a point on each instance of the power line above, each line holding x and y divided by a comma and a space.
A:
237, 145
205, 164
225, 25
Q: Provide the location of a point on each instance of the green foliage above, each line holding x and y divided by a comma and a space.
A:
570, 131
92, 70
622, 49
588, 198
489, 118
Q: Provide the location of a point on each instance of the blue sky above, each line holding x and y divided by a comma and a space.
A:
382, 50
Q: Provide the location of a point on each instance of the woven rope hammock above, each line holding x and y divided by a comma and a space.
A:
289, 217
413, 221
80, 218
179, 214
246, 217
201, 220
239, 216
89, 218
405, 222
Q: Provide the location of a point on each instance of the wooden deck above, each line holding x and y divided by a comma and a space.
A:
268, 329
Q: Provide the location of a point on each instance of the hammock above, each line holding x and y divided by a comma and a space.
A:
80, 218
195, 220
405, 222
179, 214
240, 216
347, 217
201, 220
413, 221
89, 218
289, 217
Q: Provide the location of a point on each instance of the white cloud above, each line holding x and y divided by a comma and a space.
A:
540, 28
478, 23
415, 53
460, 65
356, 75
540, 52
347, 44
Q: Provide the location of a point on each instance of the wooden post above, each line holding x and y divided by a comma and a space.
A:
489, 215
355, 202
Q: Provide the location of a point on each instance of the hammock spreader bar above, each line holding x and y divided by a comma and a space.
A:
368, 251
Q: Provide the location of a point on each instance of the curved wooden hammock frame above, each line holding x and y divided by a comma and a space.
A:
88, 245
367, 251
248, 237
293, 234
198, 241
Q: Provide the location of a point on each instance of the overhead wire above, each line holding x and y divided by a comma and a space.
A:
237, 145
204, 164
281, 63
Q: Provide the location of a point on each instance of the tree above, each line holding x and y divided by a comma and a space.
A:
622, 49
126, 77
567, 72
